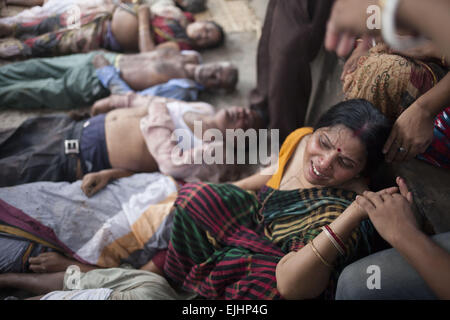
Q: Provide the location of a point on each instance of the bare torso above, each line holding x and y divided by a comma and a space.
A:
144, 70
124, 27
124, 140
125, 143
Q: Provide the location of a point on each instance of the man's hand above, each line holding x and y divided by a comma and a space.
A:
99, 61
102, 106
116, 101
348, 19
94, 182
411, 134
361, 212
391, 214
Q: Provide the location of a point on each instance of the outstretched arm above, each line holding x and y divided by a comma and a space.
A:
129, 100
413, 130
349, 19
146, 41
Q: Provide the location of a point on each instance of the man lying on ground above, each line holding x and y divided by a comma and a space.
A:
79, 80
138, 135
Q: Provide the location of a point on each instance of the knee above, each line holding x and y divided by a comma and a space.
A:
350, 284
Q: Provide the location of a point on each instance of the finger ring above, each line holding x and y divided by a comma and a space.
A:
401, 149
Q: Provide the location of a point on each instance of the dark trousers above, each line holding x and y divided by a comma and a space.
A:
35, 151
292, 35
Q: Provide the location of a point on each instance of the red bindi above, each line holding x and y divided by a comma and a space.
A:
339, 149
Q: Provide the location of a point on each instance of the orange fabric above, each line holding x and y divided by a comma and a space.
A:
141, 231
288, 147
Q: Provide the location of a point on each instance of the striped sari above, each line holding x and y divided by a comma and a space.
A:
226, 242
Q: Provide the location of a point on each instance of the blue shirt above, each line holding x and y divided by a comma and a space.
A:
181, 89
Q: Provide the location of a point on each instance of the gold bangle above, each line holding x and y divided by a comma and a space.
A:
318, 255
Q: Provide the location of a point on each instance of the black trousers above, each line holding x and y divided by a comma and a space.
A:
35, 151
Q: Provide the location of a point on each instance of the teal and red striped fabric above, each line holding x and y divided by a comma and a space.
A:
224, 245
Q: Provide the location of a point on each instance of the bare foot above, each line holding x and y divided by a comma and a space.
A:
50, 262
5, 30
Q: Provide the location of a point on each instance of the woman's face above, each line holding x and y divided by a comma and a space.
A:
333, 156
203, 33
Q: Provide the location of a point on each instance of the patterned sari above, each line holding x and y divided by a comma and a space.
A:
392, 83
226, 242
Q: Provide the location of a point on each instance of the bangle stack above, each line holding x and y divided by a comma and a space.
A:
318, 255
335, 240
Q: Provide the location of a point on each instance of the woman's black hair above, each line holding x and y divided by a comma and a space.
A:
193, 6
367, 123
221, 39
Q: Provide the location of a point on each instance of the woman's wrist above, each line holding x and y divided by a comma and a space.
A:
354, 215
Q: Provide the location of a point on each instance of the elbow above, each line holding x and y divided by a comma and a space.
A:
289, 292
295, 289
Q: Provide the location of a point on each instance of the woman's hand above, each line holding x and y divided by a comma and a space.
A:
391, 214
359, 211
411, 134
94, 182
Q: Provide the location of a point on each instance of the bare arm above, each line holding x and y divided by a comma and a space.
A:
413, 129
301, 274
146, 42
349, 19
129, 100
429, 18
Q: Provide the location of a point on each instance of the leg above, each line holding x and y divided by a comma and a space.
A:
64, 88
39, 27
28, 3
398, 280
34, 283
